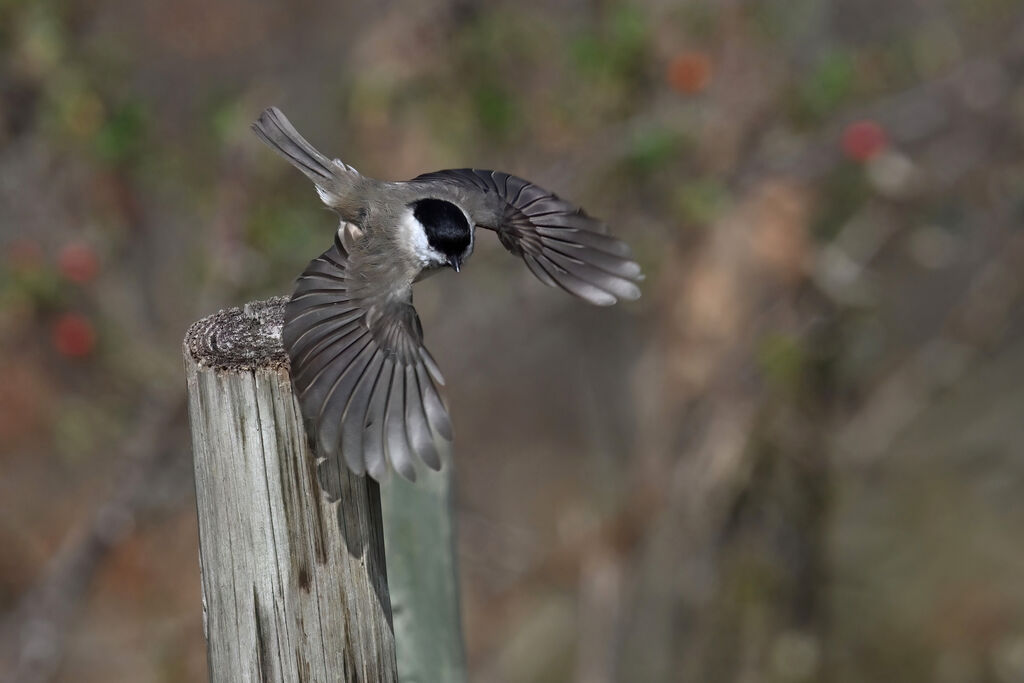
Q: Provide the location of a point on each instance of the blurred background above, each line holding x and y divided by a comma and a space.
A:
798, 458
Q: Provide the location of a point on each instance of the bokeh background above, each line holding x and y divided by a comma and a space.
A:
800, 457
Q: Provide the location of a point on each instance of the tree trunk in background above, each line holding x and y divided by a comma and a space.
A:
736, 416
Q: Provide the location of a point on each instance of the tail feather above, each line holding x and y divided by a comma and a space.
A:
274, 128
334, 180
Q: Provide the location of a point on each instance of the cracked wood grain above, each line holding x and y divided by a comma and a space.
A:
293, 580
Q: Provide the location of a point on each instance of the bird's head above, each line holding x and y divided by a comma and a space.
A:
447, 232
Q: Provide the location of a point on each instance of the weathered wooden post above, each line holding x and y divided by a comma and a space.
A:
294, 585
419, 535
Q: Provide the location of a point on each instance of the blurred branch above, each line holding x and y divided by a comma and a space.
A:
601, 592
973, 324
32, 635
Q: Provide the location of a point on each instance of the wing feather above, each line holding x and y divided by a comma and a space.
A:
560, 244
396, 444
353, 416
319, 372
315, 339
437, 414
538, 270
333, 400
590, 274
421, 439
365, 382
374, 423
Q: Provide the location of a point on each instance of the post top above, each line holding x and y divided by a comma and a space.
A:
240, 339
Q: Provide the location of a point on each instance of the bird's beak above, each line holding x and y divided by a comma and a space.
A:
455, 262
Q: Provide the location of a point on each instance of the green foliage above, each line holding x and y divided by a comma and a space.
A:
606, 63
652, 148
39, 37
826, 88
781, 360
122, 137
494, 58
846, 190
616, 48
495, 108
37, 288
785, 23
224, 113
936, 48
289, 229
697, 18
701, 200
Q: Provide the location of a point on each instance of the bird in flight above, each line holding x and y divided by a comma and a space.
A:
366, 384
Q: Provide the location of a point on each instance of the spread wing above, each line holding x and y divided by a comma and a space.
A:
559, 242
363, 378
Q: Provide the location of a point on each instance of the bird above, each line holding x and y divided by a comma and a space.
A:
368, 389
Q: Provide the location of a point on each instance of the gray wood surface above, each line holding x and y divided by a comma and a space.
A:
294, 585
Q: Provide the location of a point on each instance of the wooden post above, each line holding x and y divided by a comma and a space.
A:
294, 585
420, 539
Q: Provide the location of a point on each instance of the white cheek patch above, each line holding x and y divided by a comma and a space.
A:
415, 238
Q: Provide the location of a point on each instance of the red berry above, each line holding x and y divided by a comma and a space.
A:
864, 140
689, 72
78, 263
74, 335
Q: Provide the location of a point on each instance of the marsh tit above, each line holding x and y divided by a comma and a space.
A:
367, 386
